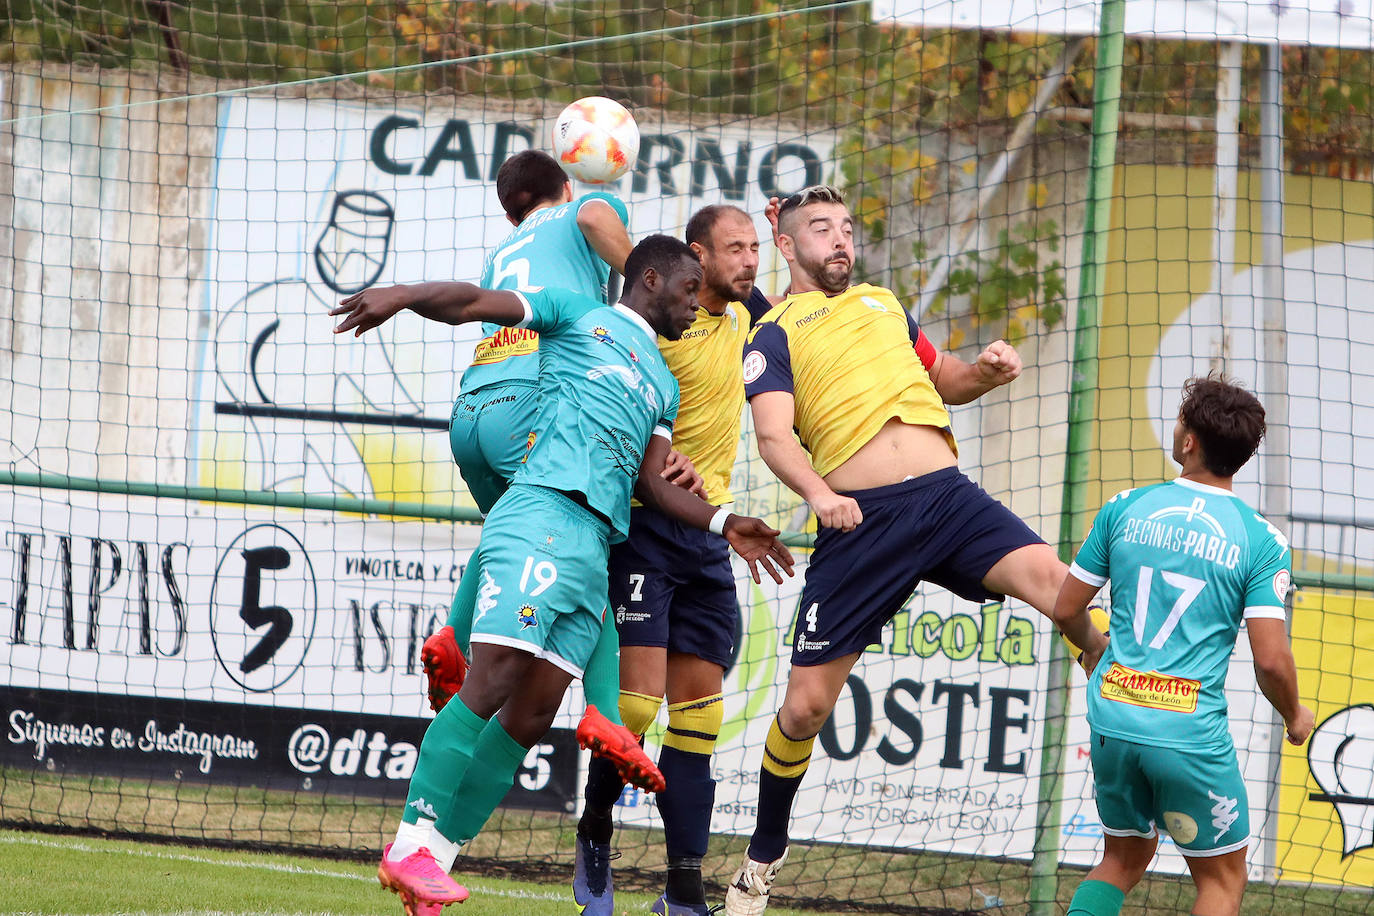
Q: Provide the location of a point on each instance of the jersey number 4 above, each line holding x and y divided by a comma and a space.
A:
1190, 587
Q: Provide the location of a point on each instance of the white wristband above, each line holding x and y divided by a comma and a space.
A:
717, 523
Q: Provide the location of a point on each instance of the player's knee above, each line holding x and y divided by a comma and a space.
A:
805, 714
694, 726
638, 710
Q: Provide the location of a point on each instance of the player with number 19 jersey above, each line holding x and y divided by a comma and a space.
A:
1187, 563
571, 497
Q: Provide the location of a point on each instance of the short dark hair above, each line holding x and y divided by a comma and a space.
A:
816, 194
704, 220
1227, 420
527, 179
663, 253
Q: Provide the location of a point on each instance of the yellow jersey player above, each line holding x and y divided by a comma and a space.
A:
672, 592
865, 390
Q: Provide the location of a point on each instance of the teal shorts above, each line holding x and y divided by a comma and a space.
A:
1198, 796
489, 434
542, 586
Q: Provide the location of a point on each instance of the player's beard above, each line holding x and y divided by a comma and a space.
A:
729, 290
831, 275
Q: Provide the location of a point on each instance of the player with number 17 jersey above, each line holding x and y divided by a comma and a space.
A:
1187, 562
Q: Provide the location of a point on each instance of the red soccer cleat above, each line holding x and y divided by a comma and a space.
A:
618, 744
445, 666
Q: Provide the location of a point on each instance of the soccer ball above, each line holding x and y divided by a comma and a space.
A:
1101, 619
596, 140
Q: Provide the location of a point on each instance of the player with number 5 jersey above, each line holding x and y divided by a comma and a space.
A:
603, 430
1188, 563
558, 242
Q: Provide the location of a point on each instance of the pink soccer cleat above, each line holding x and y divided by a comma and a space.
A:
424, 887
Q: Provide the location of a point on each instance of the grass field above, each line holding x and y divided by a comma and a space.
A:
43, 871
46, 873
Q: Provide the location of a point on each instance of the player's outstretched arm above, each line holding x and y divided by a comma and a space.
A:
774, 412
958, 382
1277, 675
604, 231
751, 538
1072, 617
449, 302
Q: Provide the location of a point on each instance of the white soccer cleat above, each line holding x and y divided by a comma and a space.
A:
748, 891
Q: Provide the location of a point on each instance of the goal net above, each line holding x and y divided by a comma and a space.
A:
229, 532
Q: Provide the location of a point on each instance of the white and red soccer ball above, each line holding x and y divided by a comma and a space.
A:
596, 140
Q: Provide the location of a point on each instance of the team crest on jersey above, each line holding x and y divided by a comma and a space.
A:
602, 334
526, 616
754, 364
1282, 582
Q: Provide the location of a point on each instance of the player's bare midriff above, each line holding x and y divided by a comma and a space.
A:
898, 451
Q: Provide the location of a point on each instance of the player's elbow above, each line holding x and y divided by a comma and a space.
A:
1275, 665
774, 449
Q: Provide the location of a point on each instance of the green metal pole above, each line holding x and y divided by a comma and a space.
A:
1082, 418
242, 497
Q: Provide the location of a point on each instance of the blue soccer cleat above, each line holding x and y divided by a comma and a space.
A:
592, 891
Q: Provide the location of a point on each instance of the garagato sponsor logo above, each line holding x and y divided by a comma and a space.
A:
1152, 689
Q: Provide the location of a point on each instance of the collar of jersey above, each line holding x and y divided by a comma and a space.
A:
1203, 487
634, 316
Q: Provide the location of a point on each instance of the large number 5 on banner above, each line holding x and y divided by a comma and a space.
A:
1191, 589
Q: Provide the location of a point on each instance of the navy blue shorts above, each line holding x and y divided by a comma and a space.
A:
940, 527
671, 586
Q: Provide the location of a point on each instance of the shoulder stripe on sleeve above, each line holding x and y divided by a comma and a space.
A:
529, 311
664, 431
1265, 613
1086, 577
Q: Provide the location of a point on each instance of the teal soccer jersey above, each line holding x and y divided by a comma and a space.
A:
547, 250
605, 390
1187, 562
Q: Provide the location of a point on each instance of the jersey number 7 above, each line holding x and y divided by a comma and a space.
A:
1191, 589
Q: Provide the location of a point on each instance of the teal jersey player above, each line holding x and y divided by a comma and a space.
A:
1187, 562
543, 550
613, 392
547, 249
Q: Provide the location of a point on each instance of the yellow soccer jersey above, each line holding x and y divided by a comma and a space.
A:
706, 363
853, 361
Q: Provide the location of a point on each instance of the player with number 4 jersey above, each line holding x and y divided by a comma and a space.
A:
1188, 562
